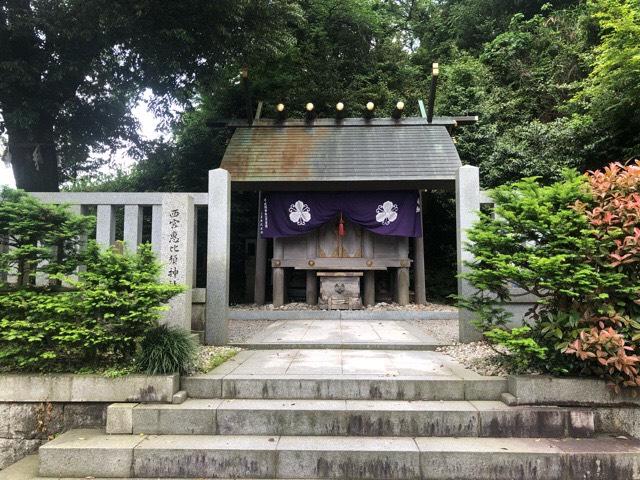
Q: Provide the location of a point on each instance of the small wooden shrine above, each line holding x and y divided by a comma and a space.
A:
341, 200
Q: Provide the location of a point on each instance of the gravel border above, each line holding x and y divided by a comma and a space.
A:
444, 331
242, 330
378, 307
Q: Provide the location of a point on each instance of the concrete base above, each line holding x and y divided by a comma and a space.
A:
87, 388
546, 390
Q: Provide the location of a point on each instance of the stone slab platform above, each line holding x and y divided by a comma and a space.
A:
345, 334
343, 374
84, 453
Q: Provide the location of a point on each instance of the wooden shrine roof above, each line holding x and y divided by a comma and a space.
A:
342, 155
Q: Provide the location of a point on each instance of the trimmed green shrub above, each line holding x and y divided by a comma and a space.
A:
98, 323
167, 350
575, 245
89, 323
43, 238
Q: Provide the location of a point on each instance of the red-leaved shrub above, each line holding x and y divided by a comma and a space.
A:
614, 215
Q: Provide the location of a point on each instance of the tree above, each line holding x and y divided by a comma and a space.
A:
71, 71
609, 100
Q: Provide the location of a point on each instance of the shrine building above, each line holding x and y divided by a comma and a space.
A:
340, 202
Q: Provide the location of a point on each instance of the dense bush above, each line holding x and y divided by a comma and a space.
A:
42, 238
98, 323
167, 350
94, 321
574, 244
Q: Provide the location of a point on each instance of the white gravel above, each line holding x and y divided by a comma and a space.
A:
241, 330
382, 306
444, 331
477, 356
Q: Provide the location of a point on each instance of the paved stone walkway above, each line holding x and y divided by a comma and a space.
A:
355, 334
339, 363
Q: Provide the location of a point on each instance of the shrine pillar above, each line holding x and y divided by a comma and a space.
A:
218, 257
467, 207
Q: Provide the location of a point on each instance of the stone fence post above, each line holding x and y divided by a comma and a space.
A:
467, 207
218, 257
176, 255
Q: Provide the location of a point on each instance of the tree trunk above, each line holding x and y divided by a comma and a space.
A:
33, 158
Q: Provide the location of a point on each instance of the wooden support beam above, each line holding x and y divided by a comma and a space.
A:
312, 280
260, 281
369, 276
312, 288
278, 274
418, 264
369, 288
402, 284
432, 92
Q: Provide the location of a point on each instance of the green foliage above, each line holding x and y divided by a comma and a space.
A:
573, 244
41, 237
167, 350
610, 96
70, 72
97, 323
212, 357
524, 351
536, 242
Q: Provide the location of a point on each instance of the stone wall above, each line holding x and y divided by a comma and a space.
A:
25, 426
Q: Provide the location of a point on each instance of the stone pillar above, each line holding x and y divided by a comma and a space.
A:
218, 257
402, 284
278, 274
260, 280
132, 226
418, 263
105, 225
177, 255
467, 207
156, 229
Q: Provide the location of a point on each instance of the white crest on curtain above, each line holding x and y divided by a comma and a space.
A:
387, 213
299, 213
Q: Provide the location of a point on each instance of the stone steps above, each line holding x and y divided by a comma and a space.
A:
91, 453
359, 418
344, 387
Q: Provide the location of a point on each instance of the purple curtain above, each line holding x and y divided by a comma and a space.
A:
286, 214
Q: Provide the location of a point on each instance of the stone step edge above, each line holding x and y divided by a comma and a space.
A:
355, 387
90, 453
27, 469
415, 346
348, 417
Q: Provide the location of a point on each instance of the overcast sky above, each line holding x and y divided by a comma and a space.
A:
148, 129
